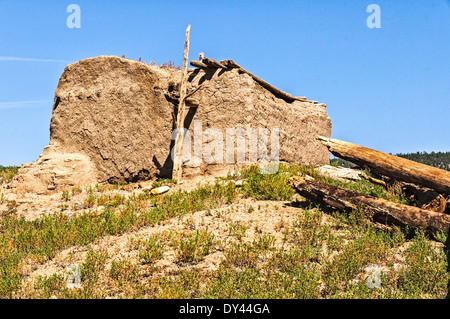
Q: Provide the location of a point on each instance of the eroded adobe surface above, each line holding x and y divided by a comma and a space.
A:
112, 121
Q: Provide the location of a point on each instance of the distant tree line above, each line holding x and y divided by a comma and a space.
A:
437, 159
8, 168
7, 173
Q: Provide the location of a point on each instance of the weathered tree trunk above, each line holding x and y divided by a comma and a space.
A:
389, 165
383, 211
178, 152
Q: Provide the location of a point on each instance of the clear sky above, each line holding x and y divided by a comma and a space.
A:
386, 88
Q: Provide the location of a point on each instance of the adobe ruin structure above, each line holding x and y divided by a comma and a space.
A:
112, 121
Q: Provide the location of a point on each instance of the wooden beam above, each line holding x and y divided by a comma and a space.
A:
192, 102
213, 63
391, 166
177, 171
198, 64
230, 64
382, 210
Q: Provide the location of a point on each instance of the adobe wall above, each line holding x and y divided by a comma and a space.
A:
112, 121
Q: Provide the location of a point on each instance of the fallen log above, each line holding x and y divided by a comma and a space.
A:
439, 204
425, 198
395, 167
382, 211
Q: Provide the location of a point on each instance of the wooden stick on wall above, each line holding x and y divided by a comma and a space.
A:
177, 171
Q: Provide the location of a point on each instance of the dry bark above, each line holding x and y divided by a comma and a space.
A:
382, 210
425, 198
395, 167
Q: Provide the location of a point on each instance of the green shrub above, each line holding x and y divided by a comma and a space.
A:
152, 251
193, 247
124, 271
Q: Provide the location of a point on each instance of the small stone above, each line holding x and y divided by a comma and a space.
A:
99, 209
160, 190
235, 173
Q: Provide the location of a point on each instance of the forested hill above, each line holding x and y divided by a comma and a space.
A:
436, 159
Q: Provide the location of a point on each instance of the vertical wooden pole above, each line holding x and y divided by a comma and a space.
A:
177, 171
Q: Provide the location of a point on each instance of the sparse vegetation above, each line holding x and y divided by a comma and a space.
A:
193, 247
319, 255
152, 250
237, 229
165, 65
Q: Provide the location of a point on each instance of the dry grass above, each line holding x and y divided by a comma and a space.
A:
166, 65
217, 241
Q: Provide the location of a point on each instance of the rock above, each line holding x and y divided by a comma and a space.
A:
41, 177
340, 173
238, 183
147, 189
235, 173
99, 210
160, 190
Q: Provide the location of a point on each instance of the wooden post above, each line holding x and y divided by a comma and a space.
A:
177, 171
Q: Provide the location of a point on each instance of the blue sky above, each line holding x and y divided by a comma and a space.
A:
386, 88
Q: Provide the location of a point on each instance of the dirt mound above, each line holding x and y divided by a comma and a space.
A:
112, 121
